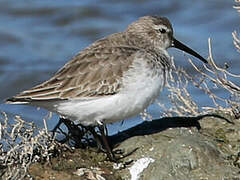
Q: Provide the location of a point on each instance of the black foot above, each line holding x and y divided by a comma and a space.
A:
110, 153
77, 133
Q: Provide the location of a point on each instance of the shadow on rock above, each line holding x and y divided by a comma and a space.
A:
158, 125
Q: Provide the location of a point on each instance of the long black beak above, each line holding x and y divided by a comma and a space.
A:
179, 45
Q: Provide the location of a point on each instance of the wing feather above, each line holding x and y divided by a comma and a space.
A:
95, 71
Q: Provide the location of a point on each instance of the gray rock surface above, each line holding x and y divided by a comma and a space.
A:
180, 148
186, 153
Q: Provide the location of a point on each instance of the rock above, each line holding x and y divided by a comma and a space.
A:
186, 153
203, 147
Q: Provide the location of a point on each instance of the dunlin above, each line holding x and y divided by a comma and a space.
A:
113, 79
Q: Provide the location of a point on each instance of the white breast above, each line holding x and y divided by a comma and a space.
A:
141, 86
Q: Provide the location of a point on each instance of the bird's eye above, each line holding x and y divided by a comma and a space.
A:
162, 30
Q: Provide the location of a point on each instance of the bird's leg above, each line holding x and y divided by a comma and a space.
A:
75, 132
96, 137
57, 126
110, 154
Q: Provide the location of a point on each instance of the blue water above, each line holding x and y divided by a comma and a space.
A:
37, 37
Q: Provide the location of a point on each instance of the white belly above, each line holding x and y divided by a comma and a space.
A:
113, 108
141, 86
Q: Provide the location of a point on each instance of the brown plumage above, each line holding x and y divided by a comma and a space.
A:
98, 69
95, 71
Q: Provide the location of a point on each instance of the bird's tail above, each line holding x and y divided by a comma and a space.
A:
16, 100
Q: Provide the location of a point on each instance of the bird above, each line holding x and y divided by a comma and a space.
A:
111, 80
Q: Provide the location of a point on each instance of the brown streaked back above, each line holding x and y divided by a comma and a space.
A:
95, 71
